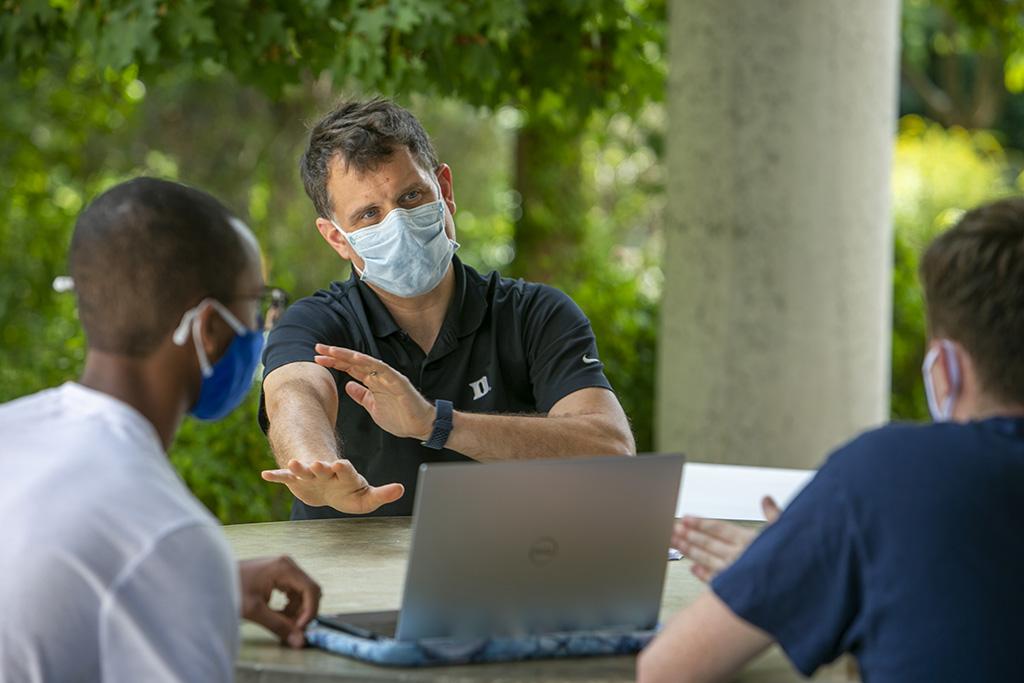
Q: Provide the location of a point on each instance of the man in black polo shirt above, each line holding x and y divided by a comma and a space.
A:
417, 357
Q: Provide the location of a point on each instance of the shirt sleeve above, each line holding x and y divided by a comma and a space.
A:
173, 616
800, 580
305, 324
560, 347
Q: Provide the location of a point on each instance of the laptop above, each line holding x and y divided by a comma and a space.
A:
532, 547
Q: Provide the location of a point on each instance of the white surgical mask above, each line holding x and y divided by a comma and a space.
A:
407, 254
941, 413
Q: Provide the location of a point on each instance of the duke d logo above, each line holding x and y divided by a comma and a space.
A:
480, 388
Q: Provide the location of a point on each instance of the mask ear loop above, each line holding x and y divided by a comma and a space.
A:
442, 203
929, 384
440, 195
229, 317
345, 236
191, 318
949, 352
181, 331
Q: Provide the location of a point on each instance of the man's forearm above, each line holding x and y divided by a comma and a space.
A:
300, 428
587, 421
488, 437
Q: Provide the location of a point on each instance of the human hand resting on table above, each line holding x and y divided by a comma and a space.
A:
713, 544
386, 394
335, 483
260, 578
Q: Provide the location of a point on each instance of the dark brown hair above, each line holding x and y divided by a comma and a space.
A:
973, 277
364, 134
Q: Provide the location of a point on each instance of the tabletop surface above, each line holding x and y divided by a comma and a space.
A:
360, 565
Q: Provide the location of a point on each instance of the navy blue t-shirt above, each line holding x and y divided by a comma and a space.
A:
906, 550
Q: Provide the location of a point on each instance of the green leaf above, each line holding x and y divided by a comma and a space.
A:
126, 35
191, 24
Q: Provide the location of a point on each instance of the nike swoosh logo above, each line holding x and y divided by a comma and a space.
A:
588, 360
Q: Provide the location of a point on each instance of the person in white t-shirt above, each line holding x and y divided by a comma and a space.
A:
111, 569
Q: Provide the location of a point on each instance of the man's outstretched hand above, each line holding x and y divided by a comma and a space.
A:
336, 484
260, 578
713, 544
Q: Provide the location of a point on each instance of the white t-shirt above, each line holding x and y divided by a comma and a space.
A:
110, 570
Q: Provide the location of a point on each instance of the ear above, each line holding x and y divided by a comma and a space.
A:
215, 334
968, 392
444, 179
333, 237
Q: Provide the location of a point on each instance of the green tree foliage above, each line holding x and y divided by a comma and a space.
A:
68, 134
43, 187
559, 62
564, 57
961, 62
620, 281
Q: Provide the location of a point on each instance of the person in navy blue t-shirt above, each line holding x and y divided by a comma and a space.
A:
905, 549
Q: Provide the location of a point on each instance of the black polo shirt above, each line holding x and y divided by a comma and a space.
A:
506, 346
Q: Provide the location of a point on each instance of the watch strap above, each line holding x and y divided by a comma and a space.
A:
442, 425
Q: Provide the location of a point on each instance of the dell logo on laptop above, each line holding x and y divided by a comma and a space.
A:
543, 551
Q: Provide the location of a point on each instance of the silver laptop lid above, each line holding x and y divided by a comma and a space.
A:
539, 546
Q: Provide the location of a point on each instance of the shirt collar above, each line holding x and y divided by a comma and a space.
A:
465, 312
1005, 425
381, 322
83, 400
470, 302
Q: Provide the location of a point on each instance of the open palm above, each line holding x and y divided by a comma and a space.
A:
336, 484
386, 394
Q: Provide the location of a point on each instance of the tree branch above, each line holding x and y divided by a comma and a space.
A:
936, 101
989, 92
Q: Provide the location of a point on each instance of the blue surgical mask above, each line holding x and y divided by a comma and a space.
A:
407, 254
941, 413
225, 383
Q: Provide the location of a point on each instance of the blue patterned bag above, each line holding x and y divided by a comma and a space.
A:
448, 651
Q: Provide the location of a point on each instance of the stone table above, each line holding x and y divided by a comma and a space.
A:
360, 564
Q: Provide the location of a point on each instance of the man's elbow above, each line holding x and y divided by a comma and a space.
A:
607, 435
620, 440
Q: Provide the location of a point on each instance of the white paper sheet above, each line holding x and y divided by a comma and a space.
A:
735, 491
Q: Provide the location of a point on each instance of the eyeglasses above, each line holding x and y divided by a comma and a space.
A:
273, 302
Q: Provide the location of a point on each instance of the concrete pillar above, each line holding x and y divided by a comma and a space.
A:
776, 320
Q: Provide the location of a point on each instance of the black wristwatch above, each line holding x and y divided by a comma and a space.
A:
442, 425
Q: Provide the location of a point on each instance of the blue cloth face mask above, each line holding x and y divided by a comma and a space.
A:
227, 382
407, 254
944, 412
